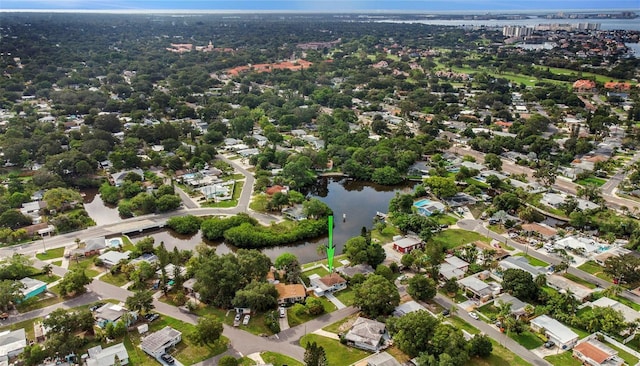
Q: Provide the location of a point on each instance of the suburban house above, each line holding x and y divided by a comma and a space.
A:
630, 315
155, 344
289, 294
518, 262
113, 257
295, 213
407, 244
350, 271
578, 245
91, 247
189, 286
592, 352
408, 307
517, 306
428, 208
612, 252
557, 332
111, 313
382, 359
329, 283
453, 267
32, 287
12, 343
118, 178
170, 270
563, 284
107, 356
542, 230
367, 334
479, 289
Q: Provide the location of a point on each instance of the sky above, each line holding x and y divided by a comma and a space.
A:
323, 5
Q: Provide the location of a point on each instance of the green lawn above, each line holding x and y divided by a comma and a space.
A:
295, 319
626, 356
445, 219
583, 74
279, 359
87, 264
386, 235
119, 279
38, 302
320, 271
452, 238
346, 296
579, 280
57, 263
488, 310
596, 270
51, 254
592, 181
527, 339
461, 324
499, 229
336, 259
46, 279
533, 261
563, 359
500, 356
337, 353
256, 325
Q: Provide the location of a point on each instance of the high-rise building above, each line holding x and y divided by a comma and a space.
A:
516, 31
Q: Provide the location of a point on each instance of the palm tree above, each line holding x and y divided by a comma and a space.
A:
540, 280
47, 269
612, 291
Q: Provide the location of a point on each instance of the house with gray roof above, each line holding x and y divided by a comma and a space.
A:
518, 262
12, 343
557, 332
107, 356
408, 307
113, 257
367, 334
382, 359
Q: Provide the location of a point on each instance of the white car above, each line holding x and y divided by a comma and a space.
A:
474, 315
245, 321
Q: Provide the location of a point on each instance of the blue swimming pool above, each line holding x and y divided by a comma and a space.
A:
115, 242
603, 248
422, 202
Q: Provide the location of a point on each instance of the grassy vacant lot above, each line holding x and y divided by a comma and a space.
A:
499, 229
533, 261
445, 219
336, 260
579, 280
335, 327
119, 279
295, 319
461, 324
452, 238
337, 353
87, 265
563, 359
527, 339
595, 269
591, 181
488, 310
346, 296
384, 236
279, 359
51, 254
500, 356
320, 271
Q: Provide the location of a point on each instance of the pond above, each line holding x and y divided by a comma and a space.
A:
100, 212
357, 201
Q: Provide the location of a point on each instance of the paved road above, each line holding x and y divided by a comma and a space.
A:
478, 226
609, 187
561, 184
492, 332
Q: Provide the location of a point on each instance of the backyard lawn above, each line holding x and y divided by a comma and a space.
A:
578, 280
51, 254
563, 359
346, 296
87, 264
337, 353
279, 359
386, 235
119, 279
452, 238
295, 319
626, 356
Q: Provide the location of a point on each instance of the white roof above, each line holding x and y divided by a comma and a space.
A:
106, 357
559, 331
576, 243
629, 314
456, 262
113, 257
160, 339
407, 242
31, 284
449, 271
408, 307
474, 283
11, 341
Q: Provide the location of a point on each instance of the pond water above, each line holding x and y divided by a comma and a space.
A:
358, 201
100, 212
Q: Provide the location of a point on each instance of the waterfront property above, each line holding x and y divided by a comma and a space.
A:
112, 258
406, 244
557, 332
427, 207
290, 294
327, 284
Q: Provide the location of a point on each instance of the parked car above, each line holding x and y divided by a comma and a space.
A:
549, 344
4, 316
96, 306
283, 312
445, 312
474, 315
246, 320
236, 320
167, 358
151, 316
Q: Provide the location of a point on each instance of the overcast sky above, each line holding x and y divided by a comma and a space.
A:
323, 5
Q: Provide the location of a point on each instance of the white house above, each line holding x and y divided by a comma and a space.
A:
155, 344
630, 315
112, 257
329, 283
107, 356
12, 343
557, 332
583, 245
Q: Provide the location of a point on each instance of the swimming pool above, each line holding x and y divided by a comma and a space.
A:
115, 242
603, 248
422, 202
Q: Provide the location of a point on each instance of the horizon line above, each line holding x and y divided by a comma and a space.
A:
275, 11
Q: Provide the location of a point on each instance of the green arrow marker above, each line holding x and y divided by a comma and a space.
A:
330, 247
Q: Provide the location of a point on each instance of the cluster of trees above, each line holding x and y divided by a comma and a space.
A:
132, 197
434, 342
